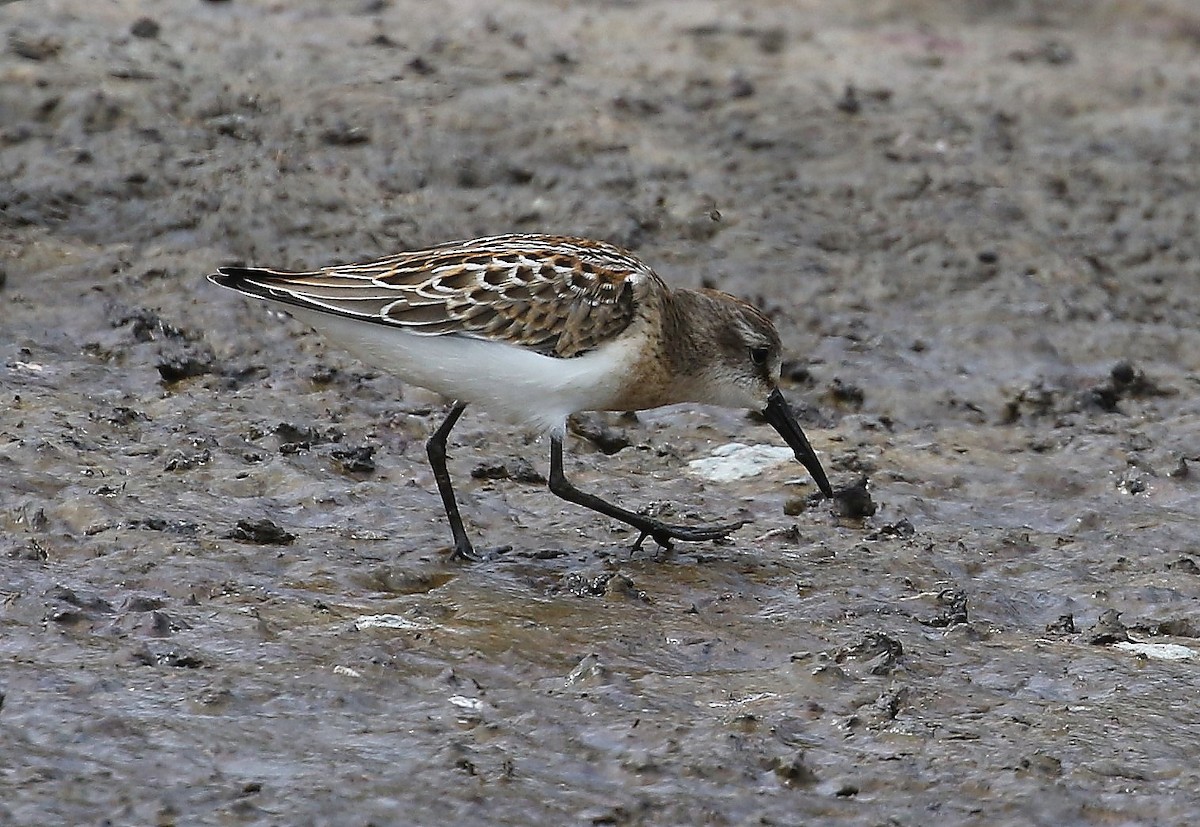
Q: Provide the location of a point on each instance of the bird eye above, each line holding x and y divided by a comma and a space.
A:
759, 355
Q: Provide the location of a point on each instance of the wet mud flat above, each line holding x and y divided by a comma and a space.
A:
224, 591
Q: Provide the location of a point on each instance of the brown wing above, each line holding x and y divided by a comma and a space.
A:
555, 295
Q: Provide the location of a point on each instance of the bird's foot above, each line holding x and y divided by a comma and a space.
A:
665, 534
464, 552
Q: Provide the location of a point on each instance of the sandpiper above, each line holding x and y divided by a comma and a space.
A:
535, 328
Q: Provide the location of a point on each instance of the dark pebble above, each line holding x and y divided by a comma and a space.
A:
608, 440
179, 661
954, 612
300, 438
901, 528
1184, 564
849, 102
145, 27
520, 470
143, 603
1123, 373
1046, 765
772, 40
159, 624
144, 324
845, 394
123, 416
523, 471
323, 375
185, 363
1065, 625
740, 87
421, 66
90, 602
355, 460
792, 770
1057, 54
490, 471
343, 134
260, 532
186, 462
797, 372
183, 528
879, 650
854, 501
794, 506
1108, 629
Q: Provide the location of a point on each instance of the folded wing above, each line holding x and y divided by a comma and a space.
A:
554, 295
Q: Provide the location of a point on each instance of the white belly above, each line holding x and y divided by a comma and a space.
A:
517, 384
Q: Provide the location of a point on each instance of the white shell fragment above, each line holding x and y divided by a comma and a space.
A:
467, 703
1159, 651
389, 622
735, 461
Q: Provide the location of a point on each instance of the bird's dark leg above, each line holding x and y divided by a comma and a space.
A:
662, 533
435, 447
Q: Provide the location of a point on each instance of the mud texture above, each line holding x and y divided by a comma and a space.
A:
224, 590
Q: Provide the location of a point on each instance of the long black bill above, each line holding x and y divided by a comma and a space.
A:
780, 415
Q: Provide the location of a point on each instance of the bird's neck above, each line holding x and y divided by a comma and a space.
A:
688, 343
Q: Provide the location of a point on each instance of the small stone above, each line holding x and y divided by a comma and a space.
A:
592, 428
849, 102
260, 532
794, 506
1123, 373
792, 770
421, 66
490, 471
845, 394
343, 134
145, 27
740, 86
854, 501
184, 363
358, 460
1042, 764
875, 653
1065, 625
522, 470
954, 612
1108, 629
1184, 564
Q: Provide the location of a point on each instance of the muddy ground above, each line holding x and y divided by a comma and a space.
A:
975, 226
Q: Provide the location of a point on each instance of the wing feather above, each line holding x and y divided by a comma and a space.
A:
555, 295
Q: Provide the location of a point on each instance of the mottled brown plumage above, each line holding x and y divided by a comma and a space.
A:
554, 295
